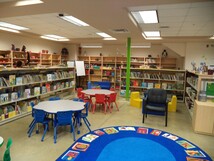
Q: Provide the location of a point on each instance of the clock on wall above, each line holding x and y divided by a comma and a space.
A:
164, 53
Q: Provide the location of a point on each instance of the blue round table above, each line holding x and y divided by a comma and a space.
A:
133, 144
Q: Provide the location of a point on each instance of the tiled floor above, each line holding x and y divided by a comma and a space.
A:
32, 149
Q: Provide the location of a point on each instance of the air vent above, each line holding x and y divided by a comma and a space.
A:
164, 27
120, 31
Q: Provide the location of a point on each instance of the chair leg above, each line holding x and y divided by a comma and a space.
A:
31, 129
109, 107
86, 122
72, 128
143, 118
116, 106
166, 118
104, 108
32, 122
55, 134
46, 128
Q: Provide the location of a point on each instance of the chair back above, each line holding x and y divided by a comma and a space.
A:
100, 98
64, 118
6, 156
112, 89
39, 115
79, 93
113, 97
89, 85
54, 98
157, 96
32, 105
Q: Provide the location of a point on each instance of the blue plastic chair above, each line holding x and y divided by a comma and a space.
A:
32, 105
55, 98
63, 119
40, 117
85, 115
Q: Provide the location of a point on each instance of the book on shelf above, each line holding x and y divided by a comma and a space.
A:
4, 97
164, 85
3, 82
18, 80
157, 85
12, 80
27, 93
49, 77
14, 96
150, 85
48, 87
36, 90
44, 90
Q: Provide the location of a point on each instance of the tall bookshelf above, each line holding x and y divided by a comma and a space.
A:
201, 110
107, 68
19, 86
173, 81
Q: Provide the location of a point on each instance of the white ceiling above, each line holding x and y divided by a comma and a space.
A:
179, 20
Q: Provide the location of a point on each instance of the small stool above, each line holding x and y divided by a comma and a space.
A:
135, 99
172, 105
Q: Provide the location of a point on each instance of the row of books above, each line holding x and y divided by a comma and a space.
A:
28, 92
136, 83
138, 74
28, 78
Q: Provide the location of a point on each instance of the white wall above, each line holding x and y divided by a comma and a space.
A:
32, 44
118, 50
199, 52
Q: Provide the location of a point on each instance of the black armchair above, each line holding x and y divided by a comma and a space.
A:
155, 103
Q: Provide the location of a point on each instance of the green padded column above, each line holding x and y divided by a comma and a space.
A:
128, 67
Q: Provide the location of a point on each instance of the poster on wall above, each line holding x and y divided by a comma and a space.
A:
80, 68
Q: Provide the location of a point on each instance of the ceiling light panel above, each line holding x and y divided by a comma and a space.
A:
152, 33
12, 26
103, 34
10, 30
28, 2
74, 20
55, 38
146, 17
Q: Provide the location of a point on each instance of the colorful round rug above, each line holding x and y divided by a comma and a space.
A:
131, 143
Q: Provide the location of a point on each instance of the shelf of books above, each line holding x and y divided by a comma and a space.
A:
142, 79
18, 87
197, 90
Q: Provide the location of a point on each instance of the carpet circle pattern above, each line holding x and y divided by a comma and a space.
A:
131, 143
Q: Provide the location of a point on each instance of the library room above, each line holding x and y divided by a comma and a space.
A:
106, 80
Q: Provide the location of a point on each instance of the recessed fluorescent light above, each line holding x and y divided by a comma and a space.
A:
103, 34
74, 20
91, 45
145, 16
55, 38
151, 35
12, 26
109, 38
28, 2
10, 30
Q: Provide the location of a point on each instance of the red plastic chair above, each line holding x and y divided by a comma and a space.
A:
111, 100
79, 93
100, 99
112, 89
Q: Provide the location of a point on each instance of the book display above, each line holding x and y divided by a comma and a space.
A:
199, 100
142, 79
19, 86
